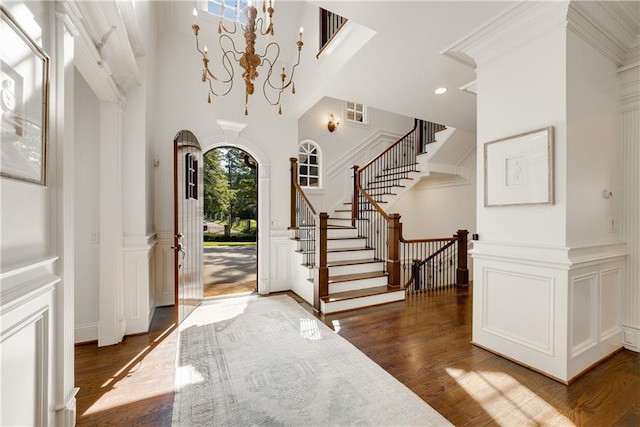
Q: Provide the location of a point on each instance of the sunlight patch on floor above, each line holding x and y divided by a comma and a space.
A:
495, 391
336, 326
190, 372
309, 330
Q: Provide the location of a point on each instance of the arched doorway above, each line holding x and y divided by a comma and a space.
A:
230, 222
230, 138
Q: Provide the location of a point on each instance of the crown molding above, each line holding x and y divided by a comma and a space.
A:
611, 28
507, 32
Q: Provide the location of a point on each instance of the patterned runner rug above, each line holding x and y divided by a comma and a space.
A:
256, 360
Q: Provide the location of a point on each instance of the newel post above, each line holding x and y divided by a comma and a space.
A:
393, 250
462, 273
355, 197
292, 204
322, 290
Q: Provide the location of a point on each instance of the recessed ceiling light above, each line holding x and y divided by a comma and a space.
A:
440, 90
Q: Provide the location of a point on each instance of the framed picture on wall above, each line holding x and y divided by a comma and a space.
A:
24, 97
518, 170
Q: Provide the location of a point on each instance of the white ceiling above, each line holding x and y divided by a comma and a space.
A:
399, 67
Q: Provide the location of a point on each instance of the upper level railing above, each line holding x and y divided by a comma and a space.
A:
330, 25
427, 133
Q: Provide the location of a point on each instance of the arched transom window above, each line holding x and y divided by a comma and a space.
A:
309, 164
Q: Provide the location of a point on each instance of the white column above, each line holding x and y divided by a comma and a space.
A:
61, 128
629, 184
112, 316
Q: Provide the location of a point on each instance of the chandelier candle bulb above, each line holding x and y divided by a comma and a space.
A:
195, 16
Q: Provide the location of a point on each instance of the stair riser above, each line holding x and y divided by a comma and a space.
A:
346, 243
334, 307
336, 233
341, 214
355, 268
354, 285
342, 222
350, 255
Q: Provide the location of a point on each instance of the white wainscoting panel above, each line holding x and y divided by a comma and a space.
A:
137, 265
584, 308
610, 303
280, 260
164, 275
27, 315
520, 308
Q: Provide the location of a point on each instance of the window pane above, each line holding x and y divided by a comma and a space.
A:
313, 182
304, 170
303, 181
313, 171
313, 160
303, 158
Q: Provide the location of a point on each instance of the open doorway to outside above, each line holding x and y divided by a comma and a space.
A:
230, 222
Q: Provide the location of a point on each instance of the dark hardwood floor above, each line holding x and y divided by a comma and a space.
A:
424, 342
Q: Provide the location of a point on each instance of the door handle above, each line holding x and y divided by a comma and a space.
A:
180, 249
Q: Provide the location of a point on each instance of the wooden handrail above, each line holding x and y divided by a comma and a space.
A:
391, 146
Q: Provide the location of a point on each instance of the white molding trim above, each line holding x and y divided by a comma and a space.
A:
583, 256
631, 338
357, 151
518, 25
24, 267
522, 253
608, 27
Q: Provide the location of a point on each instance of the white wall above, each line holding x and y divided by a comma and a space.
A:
86, 211
510, 103
593, 97
438, 206
350, 144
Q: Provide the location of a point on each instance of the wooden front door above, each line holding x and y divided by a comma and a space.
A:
188, 215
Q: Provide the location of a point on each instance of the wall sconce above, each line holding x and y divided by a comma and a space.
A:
332, 123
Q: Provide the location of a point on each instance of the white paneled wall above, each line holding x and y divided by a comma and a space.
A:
629, 183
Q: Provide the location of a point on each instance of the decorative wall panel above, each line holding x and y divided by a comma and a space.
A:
507, 301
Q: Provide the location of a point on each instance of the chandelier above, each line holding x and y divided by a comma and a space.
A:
249, 60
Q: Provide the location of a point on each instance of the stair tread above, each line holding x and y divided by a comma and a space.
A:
357, 276
402, 166
376, 290
353, 262
348, 249
397, 173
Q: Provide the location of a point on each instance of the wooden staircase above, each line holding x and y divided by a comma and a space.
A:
340, 258
356, 278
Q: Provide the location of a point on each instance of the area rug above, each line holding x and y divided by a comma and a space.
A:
265, 361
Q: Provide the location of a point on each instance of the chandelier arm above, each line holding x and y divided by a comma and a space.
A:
225, 29
267, 81
233, 45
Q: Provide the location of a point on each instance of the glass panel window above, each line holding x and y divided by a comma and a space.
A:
356, 112
309, 165
232, 9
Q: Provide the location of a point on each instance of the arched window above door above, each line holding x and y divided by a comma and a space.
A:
309, 165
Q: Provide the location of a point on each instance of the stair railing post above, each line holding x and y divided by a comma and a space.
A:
292, 203
416, 275
322, 290
355, 197
393, 249
462, 273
